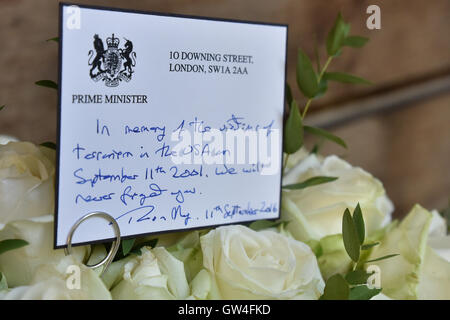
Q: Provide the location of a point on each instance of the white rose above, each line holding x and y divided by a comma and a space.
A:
438, 239
114, 274
154, 275
201, 287
438, 225
419, 272
333, 258
50, 282
316, 211
20, 265
26, 181
246, 264
188, 250
296, 158
4, 139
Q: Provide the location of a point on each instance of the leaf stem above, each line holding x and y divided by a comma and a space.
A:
325, 67
306, 108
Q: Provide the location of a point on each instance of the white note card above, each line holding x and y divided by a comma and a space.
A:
166, 122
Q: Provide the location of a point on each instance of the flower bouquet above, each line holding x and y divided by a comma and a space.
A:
335, 239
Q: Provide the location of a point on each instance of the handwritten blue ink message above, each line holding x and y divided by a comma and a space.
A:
137, 190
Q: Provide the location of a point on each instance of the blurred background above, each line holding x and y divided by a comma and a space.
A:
398, 129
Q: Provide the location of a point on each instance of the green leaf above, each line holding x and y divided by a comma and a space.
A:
357, 277
127, 245
137, 249
337, 35
314, 181
359, 223
383, 257
265, 224
2, 107
325, 134
293, 130
355, 41
345, 78
306, 76
369, 245
315, 149
362, 293
289, 97
47, 83
11, 244
336, 288
446, 215
350, 236
49, 144
55, 39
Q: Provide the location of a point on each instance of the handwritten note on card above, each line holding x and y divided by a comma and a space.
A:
167, 123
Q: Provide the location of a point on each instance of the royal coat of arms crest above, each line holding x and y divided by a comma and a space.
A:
114, 64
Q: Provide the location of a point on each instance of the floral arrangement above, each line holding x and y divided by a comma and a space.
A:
335, 238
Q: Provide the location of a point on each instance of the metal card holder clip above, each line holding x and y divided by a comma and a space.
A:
115, 244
